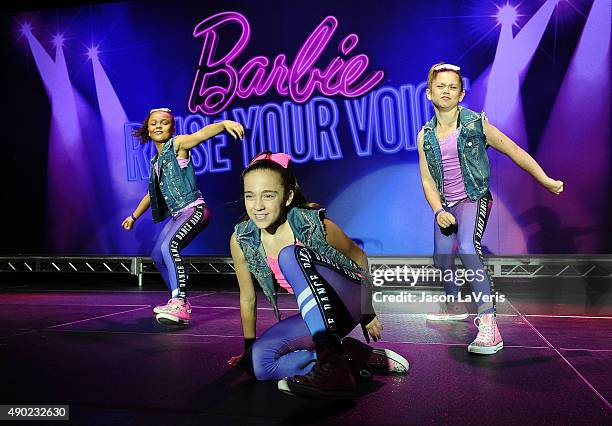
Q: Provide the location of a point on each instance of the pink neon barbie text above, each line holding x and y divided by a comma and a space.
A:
298, 80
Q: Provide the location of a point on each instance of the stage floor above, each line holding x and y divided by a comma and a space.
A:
102, 352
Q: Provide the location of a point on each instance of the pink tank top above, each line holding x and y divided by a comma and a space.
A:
182, 162
273, 264
454, 188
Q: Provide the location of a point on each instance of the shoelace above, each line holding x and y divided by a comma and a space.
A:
485, 331
175, 304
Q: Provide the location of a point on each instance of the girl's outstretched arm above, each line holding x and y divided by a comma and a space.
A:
507, 146
186, 142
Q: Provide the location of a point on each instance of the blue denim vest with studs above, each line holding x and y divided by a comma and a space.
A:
174, 188
307, 226
471, 149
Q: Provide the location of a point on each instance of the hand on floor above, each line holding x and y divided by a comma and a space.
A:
235, 361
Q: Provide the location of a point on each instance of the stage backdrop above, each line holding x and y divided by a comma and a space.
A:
339, 85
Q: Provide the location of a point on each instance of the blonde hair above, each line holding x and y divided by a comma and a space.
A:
436, 69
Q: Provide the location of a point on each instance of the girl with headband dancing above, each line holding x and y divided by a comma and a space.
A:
455, 175
173, 193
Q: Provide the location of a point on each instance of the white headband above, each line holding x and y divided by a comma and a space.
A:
160, 109
449, 67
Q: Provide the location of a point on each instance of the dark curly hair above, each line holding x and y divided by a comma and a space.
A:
142, 132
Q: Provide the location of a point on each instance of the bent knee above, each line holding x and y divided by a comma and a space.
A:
262, 361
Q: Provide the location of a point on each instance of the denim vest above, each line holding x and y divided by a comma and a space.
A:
307, 227
471, 148
175, 187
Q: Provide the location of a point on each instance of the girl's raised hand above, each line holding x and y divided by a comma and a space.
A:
233, 128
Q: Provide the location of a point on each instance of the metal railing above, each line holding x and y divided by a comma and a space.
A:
575, 266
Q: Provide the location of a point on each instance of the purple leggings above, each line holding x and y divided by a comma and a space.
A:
178, 232
330, 301
464, 239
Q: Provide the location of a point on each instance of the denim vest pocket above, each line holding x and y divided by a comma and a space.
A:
472, 147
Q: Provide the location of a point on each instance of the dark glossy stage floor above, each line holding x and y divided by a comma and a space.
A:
99, 349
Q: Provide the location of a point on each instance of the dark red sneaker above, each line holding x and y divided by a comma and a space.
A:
330, 378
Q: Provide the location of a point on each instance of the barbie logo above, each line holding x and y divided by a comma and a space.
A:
218, 79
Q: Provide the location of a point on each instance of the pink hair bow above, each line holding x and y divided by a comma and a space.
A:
279, 158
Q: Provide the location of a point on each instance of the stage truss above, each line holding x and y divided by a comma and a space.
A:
500, 267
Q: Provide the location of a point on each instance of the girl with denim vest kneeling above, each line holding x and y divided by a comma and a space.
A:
455, 175
173, 192
287, 242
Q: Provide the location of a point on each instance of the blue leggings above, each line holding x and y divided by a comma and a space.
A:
178, 232
465, 238
330, 302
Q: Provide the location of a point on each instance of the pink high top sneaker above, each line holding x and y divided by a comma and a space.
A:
489, 340
167, 307
175, 312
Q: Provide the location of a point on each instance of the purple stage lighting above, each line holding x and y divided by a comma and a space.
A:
58, 40
92, 52
506, 15
26, 28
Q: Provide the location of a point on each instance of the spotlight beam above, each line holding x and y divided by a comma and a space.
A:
583, 99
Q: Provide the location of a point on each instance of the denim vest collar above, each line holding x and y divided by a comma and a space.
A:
466, 116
